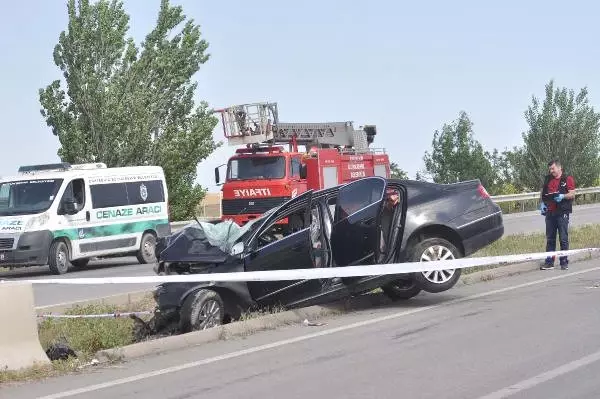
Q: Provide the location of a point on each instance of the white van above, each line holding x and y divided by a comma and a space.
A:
61, 214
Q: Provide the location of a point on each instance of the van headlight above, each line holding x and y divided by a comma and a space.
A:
37, 221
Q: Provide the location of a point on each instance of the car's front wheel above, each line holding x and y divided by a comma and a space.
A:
201, 310
434, 249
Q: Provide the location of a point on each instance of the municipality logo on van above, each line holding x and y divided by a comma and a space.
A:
143, 192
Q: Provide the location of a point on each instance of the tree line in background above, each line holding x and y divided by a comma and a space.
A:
564, 126
129, 105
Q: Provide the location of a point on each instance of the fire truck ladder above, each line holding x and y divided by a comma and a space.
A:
256, 123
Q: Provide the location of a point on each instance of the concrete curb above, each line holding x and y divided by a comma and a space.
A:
241, 328
271, 321
117, 300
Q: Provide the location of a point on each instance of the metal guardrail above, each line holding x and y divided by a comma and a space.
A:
496, 198
536, 195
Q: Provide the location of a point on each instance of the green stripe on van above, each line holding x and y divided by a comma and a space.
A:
109, 229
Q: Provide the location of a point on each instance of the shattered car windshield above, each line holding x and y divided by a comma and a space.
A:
226, 234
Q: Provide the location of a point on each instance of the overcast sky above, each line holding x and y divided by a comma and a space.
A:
407, 67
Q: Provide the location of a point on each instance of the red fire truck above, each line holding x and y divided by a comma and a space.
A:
262, 175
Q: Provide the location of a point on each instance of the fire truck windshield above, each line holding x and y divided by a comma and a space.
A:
257, 167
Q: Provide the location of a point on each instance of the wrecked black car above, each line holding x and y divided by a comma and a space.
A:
367, 221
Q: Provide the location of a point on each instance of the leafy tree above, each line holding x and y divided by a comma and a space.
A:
396, 172
457, 156
565, 126
127, 106
505, 181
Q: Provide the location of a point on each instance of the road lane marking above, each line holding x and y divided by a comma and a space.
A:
544, 377
256, 349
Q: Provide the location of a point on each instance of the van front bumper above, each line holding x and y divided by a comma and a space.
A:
31, 250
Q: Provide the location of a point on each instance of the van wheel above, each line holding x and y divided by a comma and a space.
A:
146, 253
58, 261
80, 263
434, 249
201, 310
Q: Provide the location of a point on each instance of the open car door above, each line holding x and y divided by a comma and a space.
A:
356, 232
269, 249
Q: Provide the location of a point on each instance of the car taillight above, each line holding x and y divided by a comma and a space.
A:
482, 191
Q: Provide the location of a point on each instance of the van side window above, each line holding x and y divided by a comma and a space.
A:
130, 193
75, 190
109, 195
145, 192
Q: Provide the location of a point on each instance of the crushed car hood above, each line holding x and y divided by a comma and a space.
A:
201, 242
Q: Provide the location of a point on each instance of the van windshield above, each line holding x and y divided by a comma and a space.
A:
27, 196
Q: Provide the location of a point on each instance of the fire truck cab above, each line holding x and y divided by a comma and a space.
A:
262, 175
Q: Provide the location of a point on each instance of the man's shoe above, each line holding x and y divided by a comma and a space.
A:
564, 266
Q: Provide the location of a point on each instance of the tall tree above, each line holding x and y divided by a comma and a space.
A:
457, 156
396, 172
565, 126
125, 106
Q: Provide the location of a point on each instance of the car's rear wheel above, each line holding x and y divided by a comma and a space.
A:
434, 249
201, 310
401, 289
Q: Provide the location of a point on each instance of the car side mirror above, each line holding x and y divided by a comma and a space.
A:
69, 206
303, 172
237, 249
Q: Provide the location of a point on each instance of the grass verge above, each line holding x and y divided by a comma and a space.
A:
88, 336
585, 236
84, 336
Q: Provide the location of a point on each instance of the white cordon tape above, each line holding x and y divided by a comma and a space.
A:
312, 273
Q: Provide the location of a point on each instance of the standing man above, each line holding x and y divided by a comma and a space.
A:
557, 204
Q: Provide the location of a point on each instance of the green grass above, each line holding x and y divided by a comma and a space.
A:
579, 237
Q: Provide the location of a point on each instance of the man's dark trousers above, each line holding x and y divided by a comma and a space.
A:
557, 222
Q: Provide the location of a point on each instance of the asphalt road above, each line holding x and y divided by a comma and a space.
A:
528, 336
45, 295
